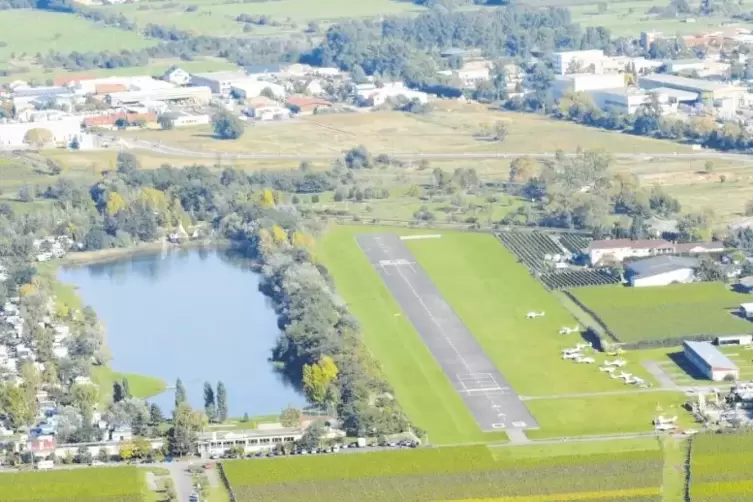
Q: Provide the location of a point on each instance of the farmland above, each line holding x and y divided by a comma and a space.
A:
124, 484
720, 467
666, 314
454, 474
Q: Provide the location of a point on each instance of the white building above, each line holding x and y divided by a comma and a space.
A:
219, 82
177, 76
710, 362
250, 88
272, 112
661, 271
707, 91
217, 444
622, 100
617, 250
584, 59
198, 95
377, 96
184, 119
580, 82
62, 131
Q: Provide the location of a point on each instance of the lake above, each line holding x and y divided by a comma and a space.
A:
196, 314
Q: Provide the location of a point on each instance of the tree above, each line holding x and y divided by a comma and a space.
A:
500, 131
523, 169
84, 397
38, 137
708, 166
227, 126
26, 193
222, 411
186, 424
166, 121
209, 405
317, 377
117, 392
126, 451
312, 437
709, 270
290, 417
180, 393
126, 388
127, 163
155, 415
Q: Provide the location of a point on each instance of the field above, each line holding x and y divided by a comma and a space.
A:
123, 484
59, 32
140, 386
468, 473
452, 128
667, 313
720, 467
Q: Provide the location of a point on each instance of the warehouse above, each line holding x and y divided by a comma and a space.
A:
707, 90
220, 82
661, 271
579, 82
710, 362
198, 95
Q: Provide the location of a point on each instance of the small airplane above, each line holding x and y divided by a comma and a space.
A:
617, 352
665, 427
617, 362
607, 369
570, 351
662, 420
572, 356
581, 346
567, 331
625, 375
689, 432
586, 360
533, 315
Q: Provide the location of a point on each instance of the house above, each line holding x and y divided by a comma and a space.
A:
616, 250
177, 76
710, 362
274, 112
60, 351
305, 105
313, 87
219, 82
746, 310
121, 433
371, 95
699, 247
661, 271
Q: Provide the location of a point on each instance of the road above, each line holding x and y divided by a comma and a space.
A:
163, 149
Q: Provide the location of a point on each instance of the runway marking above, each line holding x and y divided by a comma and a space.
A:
478, 382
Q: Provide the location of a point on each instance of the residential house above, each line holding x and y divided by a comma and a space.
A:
371, 95
305, 105
313, 87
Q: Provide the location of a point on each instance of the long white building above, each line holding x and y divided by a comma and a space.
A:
63, 131
584, 59
580, 82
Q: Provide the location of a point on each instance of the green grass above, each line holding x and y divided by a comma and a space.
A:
112, 484
453, 474
140, 386
422, 388
610, 414
675, 469
60, 32
668, 312
491, 292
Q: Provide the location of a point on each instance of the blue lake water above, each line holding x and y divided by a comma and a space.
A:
195, 314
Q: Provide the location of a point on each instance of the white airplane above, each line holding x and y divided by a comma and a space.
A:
572, 356
689, 432
586, 360
617, 362
638, 381
581, 346
607, 369
567, 331
625, 375
630, 380
570, 351
665, 427
533, 315
662, 420
615, 352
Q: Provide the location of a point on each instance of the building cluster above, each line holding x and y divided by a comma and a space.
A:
622, 84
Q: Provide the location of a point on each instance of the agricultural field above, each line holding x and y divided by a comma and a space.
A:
720, 467
122, 484
574, 278
667, 313
463, 473
451, 128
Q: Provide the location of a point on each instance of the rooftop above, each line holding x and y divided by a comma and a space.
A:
248, 433
659, 265
675, 93
711, 355
747, 281
627, 243
689, 247
693, 83
222, 75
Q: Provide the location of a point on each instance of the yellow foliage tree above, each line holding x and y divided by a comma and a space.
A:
302, 240
266, 244
27, 290
317, 377
279, 236
155, 199
115, 203
267, 198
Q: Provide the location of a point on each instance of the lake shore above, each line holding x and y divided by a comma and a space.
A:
106, 255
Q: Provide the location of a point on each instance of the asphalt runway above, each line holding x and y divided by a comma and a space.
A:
494, 405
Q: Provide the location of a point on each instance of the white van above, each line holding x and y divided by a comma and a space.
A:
44, 465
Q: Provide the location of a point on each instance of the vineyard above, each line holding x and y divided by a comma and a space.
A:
574, 243
467, 473
531, 248
720, 467
665, 315
567, 279
122, 484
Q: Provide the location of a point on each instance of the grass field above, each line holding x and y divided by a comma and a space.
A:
122, 484
668, 312
449, 129
140, 386
60, 32
720, 468
469, 473
423, 390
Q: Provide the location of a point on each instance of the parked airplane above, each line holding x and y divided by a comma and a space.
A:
617, 362
567, 331
533, 315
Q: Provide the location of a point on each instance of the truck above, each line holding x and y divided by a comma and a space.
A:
361, 442
44, 465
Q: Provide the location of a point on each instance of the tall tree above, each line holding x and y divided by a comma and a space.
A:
155, 415
186, 424
209, 405
221, 402
126, 388
180, 393
117, 392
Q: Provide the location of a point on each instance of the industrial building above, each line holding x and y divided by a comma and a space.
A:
198, 95
579, 82
250, 88
710, 362
705, 90
63, 131
734, 340
220, 82
624, 100
661, 271
584, 59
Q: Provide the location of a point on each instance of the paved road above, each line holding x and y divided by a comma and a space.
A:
486, 393
137, 144
181, 479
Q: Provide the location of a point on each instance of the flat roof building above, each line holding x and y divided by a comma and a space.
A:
219, 82
562, 61
710, 362
707, 90
661, 271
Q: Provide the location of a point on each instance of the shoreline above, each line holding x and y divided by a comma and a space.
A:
82, 258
